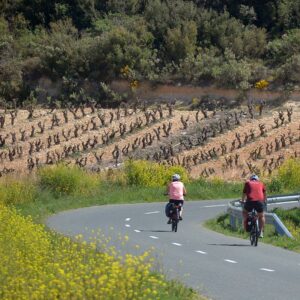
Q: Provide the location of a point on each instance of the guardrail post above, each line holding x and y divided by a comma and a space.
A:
280, 227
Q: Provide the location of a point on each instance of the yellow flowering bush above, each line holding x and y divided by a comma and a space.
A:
35, 265
261, 84
149, 174
66, 180
289, 174
17, 190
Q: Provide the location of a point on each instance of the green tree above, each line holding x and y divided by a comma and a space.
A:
181, 41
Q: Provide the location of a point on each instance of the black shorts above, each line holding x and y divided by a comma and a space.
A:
176, 202
257, 205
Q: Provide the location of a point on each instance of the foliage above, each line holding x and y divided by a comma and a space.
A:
149, 174
198, 41
64, 180
37, 265
289, 174
14, 191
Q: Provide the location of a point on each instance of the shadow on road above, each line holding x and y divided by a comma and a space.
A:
148, 230
230, 245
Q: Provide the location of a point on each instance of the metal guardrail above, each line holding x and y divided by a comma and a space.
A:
235, 212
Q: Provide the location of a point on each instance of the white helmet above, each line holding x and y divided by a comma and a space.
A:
175, 177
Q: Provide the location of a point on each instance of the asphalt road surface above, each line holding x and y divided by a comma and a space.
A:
219, 266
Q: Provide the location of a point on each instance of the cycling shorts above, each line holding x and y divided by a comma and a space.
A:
176, 202
257, 205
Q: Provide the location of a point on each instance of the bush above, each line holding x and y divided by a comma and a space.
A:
150, 174
289, 174
64, 180
17, 191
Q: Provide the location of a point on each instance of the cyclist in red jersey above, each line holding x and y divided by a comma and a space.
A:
254, 196
176, 192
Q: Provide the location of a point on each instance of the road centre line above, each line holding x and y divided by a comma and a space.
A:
230, 261
153, 237
127, 225
267, 270
217, 205
127, 219
152, 212
137, 230
177, 244
201, 252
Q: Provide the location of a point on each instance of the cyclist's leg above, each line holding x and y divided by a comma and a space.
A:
261, 215
180, 202
247, 208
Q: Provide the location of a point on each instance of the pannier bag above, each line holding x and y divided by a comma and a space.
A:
169, 209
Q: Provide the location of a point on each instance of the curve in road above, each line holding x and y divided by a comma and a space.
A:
221, 267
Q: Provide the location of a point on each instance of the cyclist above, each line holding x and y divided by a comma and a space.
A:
254, 196
176, 192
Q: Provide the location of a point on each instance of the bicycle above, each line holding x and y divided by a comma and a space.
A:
252, 224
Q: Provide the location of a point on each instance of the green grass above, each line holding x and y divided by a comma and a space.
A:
221, 224
48, 203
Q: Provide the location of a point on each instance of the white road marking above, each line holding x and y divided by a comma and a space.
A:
231, 261
127, 225
153, 237
218, 205
137, 230
201, 252
267, 270
177, 244
152, 212
127, 219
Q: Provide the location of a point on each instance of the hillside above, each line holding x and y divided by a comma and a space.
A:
229, 143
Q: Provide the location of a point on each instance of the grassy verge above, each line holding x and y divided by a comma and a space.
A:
48, 203
221, 224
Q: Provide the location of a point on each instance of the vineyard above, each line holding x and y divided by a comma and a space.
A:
208, 142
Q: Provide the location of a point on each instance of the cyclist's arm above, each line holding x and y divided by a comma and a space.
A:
184, 191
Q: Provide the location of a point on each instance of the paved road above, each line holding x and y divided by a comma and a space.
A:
219, 266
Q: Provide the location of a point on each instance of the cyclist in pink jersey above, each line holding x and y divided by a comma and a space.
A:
176, 192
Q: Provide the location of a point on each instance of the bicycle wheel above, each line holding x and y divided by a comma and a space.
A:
252, 235
256, 233
174, 225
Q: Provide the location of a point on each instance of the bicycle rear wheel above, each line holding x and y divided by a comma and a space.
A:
174, 225
254, 233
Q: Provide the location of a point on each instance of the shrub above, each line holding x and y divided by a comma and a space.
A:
16, 191
63, 180
289, 174
150, 174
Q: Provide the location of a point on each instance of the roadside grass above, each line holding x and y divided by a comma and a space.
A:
48, 203
221, 224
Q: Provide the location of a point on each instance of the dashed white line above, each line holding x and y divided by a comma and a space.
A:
136, 230
201, 252
218, 205
152, 212
177, 244
127, 219
153, 237
267, 270
127, 225
231, 261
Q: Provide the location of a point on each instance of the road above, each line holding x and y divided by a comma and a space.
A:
219, 266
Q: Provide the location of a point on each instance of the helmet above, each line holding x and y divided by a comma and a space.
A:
175, 177
254, 177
